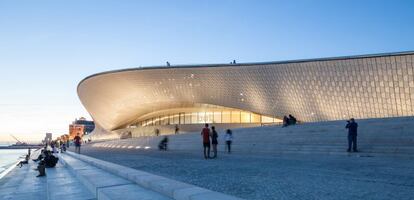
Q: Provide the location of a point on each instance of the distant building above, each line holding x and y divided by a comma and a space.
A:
80, 126
48, 138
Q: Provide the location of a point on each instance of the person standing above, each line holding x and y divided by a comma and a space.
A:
228, 138
214, 141
53, 145
77, 140
352, 127
67, 142
63, 147
57, 145
205, 133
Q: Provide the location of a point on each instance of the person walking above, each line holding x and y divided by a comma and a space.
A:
214, 141
77, 140
352, 127
228, 137
206, 141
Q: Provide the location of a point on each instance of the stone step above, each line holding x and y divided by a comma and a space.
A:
389, 135
272, 144
312, 149
105, 185
275, 140
169, 189
282, 143
292, 139
335, 133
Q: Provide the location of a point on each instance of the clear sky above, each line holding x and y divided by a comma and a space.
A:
47, 47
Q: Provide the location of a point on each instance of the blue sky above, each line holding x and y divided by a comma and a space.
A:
47, 47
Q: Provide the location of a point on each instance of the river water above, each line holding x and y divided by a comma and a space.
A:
10, 156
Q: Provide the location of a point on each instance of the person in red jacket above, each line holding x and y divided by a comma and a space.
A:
205, 133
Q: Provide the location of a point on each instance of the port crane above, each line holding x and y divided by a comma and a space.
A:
18, 141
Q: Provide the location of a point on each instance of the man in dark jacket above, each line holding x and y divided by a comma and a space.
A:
352, 127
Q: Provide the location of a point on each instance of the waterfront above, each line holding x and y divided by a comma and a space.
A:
9, 157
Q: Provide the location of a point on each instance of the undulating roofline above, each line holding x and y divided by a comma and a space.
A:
251, 63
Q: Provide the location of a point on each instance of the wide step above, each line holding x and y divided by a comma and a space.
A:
105, 185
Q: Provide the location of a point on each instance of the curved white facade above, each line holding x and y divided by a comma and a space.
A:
371, 86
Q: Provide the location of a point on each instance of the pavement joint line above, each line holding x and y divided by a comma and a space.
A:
47, 188
109, 186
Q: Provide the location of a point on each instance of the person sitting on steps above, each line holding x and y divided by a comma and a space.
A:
292, 120
25, 161
163, 144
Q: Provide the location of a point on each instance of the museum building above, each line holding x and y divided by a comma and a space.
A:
141, 100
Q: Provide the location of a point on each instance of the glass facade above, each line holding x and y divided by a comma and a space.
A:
214, 116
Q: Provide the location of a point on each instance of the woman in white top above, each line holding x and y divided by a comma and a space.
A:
228, 137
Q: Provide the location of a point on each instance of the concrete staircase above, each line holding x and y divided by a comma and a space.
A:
110, 181
58, 184
376, 137
79, 177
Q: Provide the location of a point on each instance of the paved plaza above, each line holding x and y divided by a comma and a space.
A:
292, 176
58, 184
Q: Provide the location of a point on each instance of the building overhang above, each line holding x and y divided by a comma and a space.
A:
312, 90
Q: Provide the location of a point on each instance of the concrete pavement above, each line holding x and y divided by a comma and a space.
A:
266, 176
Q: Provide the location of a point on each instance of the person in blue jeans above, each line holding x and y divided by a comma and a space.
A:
352, 127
